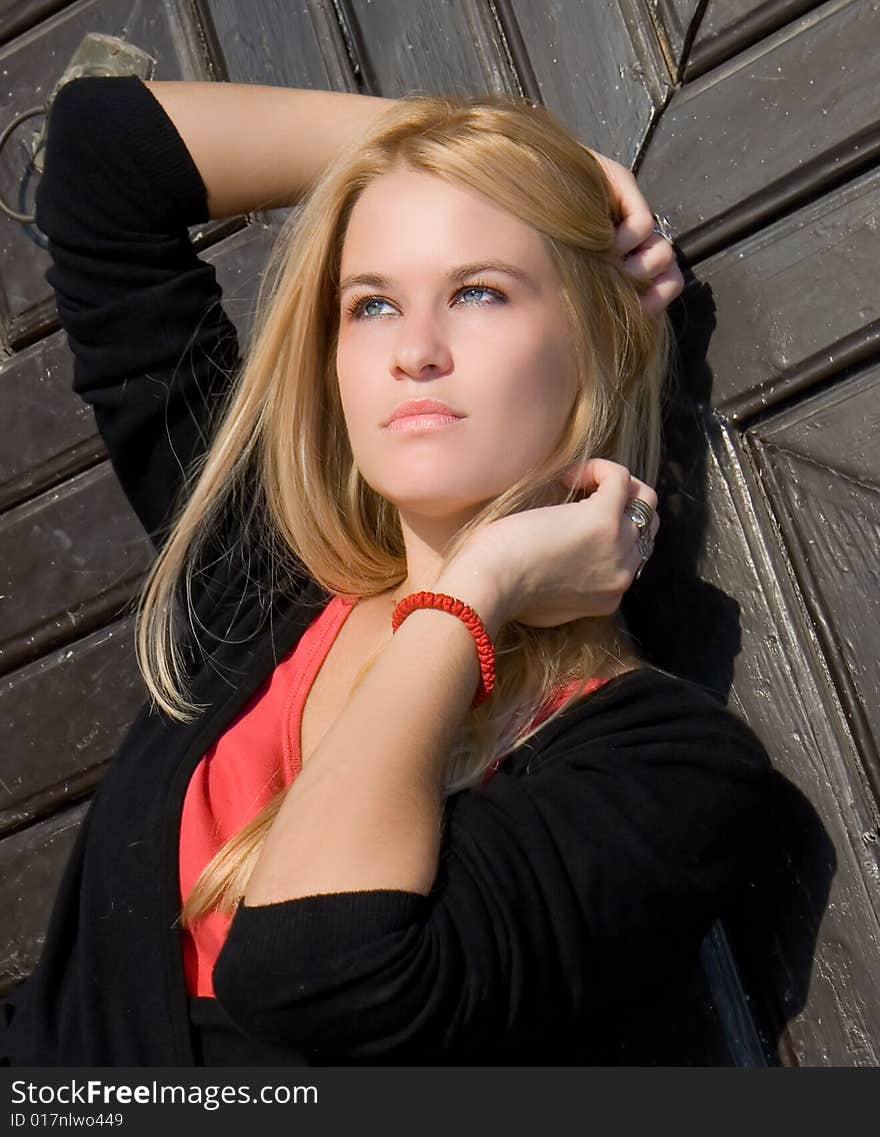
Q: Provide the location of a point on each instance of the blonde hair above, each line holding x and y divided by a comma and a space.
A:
314, 509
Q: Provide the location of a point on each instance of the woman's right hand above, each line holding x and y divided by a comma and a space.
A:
560, 563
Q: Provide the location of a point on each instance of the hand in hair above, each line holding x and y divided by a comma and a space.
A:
646, 255
564, 562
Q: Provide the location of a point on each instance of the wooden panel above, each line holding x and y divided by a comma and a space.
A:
403, 46
773, 127
674, 20
281, 44
796, 302
839, 427
32, 64
822, 469
811, 958
729, 26
240, 261
70, 560
582, 62
833, 524
53, 428
31, 864
16, 16
95, 690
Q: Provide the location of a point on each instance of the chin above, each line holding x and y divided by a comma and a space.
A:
432, 507
432, 504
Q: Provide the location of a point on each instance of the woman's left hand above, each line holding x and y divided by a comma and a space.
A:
646, 255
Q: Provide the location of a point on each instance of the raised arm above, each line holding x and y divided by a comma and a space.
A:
285, 138
260, 147
154, 350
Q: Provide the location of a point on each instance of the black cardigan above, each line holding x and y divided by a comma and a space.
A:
580, 880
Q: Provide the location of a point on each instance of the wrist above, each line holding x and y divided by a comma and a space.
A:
472, 580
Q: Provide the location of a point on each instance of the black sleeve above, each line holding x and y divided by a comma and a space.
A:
153, 348
582, 877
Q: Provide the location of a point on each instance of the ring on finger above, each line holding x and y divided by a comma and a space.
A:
662, 226
645, 553
641, 514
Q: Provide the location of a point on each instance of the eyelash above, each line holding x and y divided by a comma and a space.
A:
354, 308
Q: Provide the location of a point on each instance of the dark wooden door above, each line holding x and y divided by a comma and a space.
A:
753, 126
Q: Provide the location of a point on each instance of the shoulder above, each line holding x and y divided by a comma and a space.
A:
649, 716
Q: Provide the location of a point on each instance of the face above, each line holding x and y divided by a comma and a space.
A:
445, 296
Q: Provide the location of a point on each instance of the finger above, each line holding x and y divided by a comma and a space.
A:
662, 292
635, 228
589, 474
613, 489
634, 559
652, 258
635, 563
637, 220
652, 531
643, 491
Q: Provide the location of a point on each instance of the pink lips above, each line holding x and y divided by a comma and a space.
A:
416, 414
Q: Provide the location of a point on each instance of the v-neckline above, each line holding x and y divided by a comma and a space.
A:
326, 628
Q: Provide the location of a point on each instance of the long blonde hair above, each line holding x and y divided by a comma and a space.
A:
281, 443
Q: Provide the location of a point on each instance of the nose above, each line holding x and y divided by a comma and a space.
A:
421, 349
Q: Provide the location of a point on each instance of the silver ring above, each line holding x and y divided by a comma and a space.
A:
641, 514
662, 227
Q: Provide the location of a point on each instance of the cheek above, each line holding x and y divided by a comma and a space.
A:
350, 377
542, 382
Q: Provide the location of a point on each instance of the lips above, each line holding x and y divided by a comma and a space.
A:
421, 407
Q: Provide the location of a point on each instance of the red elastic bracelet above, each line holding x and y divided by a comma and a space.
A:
468, 616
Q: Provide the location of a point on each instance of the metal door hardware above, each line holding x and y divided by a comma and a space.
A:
96, 54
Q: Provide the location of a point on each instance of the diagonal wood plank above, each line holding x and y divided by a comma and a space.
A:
584, 65
95, 689
281, 44
779, 328
770, 129
31, 65
404, 46
72, 557
805, 730
720, 605
729, 26
55, 429
832, 527
675, 20
31, 864
838, 428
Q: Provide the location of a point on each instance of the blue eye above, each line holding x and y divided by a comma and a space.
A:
360, 309
357, 309
481, 288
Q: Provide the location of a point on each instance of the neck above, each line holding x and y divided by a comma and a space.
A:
426, 540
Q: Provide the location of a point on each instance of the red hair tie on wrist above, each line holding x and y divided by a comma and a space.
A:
469, 617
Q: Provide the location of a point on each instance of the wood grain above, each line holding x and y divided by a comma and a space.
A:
770, 129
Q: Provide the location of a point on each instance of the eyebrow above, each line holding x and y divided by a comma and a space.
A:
459, 273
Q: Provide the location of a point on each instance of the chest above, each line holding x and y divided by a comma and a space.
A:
361, 638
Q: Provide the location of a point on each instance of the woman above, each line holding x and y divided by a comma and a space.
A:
405, 791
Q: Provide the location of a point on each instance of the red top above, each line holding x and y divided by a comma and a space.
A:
251, 761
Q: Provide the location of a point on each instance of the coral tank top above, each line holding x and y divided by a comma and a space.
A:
256, 756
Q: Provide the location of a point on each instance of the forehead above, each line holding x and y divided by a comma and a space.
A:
410, 215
